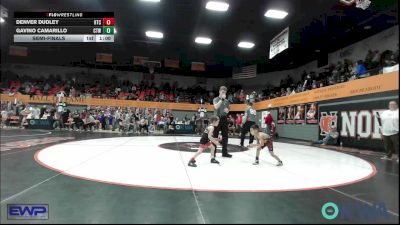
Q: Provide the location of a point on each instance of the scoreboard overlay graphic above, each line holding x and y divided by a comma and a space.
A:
64, 27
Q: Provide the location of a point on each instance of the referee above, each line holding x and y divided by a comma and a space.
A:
389, 120
221, 106
250, 116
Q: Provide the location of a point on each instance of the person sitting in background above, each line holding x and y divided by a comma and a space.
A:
390, 64
4, 117
230, 98
238, 122
391, 61
77, 120
193, 119
151, 127
185, 119
127, 123
242, 96
89, 122
143, 125
334, 77
331, 138
57, 121
253, 97
46, 115
360, 70
314, 84
121, 123
25, 112
299, 88
231, 125
372, 59
70, 122
288, 91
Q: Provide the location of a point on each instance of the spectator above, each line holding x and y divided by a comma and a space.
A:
389, 59
90, 122
46, 115
185, 119
231, 125
193, 119
371, 60
314, 84
143, 125
70, 122
308, 82
238, 122
112, 88
268, 120
242, 96
230, 98
253, 97
4, 117
360, 69
330, 138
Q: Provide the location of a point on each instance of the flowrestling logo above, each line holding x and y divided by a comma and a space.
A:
354, 211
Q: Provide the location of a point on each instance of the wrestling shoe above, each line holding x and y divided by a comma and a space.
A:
192, 163
213, 160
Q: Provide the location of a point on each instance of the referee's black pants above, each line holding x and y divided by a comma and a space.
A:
245, 130
223, 127
391, 144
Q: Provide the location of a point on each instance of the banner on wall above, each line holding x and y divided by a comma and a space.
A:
290, 113
104, 57
300, 114
138, 60
48, 124
18, 50
279, 43
198, 66
171, 63
357, 123
281, 115
312, 113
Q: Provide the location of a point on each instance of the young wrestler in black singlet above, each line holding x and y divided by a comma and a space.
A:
206, 141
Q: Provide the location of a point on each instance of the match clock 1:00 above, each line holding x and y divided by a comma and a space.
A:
104, 38
108, 30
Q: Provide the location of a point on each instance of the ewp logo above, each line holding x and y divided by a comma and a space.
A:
27, 212
355, 211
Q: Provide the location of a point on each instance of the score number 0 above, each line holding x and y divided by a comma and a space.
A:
108, 21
